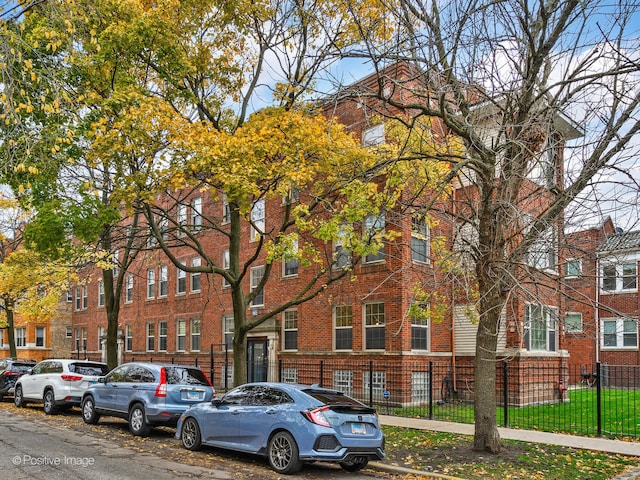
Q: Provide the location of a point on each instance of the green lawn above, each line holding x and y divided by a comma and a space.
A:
620, 414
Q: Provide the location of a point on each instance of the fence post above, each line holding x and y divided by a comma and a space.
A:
211, 365
321, 372
280, 370
505, 394
599, 397
371, 383
431, 389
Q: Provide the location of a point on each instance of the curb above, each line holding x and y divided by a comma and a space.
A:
385, 467
630, 475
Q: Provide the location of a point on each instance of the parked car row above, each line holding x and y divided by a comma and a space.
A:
287, 424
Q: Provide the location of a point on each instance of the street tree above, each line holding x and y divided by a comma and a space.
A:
529, 88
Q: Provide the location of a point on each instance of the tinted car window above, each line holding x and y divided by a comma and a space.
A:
118, 374
269, 396
237, 396
328, 397
185, 376
21, 367
88, 369
137, 374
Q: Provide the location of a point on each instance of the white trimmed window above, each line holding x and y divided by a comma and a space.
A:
343, 322
162, 336
163, 281
573, 268
101, 293
151, 337
420, 239
85, 297
195, 334
129, 288
420, 328
373, 229
290, 330
40, 336
151, 283
128, 335
181, 335
290, 263
181, 284
620, 277
258, 219
78, 298
196, 276
226, 210
100, 337
256, 277
21, 336
540, 328
196, 213
619, 333
374, 324
573, 322
341, 255
225, 266
228, 328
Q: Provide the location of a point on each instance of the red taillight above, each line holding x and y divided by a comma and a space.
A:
8, 373
71, 378
317, 416
161, 391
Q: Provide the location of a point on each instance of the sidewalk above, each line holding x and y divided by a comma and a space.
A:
572, 441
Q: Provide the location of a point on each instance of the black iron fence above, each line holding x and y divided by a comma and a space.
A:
603, 400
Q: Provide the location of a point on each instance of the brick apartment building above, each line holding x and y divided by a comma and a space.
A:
603, 305
168, 314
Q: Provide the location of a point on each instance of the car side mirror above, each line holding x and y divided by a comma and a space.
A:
216, 402
102, 379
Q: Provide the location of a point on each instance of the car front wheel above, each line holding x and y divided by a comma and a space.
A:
137, 422
49, 402
283, 453
89, 414
190, 435
355, 465
18, 399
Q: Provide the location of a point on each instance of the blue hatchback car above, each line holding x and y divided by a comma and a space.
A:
146, 394
289, 424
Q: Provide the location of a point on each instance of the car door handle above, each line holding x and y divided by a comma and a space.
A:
271, 411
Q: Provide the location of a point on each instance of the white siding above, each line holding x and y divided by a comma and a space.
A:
466, 329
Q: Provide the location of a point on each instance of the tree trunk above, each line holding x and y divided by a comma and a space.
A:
8, 307
487, 437
112, 305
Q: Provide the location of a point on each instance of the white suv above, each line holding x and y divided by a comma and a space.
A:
57, 383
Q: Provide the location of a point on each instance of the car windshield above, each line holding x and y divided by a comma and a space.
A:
88, 369
185, 376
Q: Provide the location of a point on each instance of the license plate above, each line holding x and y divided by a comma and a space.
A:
193, 395
358, 428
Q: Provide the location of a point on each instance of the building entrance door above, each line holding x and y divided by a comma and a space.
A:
257, 360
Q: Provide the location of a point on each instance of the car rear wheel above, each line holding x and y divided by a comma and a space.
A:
283, 453
89, 414
137, 422
49, 402
190, 435
18, 399
355, 465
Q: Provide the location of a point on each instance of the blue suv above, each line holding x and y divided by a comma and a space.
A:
146, 394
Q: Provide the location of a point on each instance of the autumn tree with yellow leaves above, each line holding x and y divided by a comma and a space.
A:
156, 100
